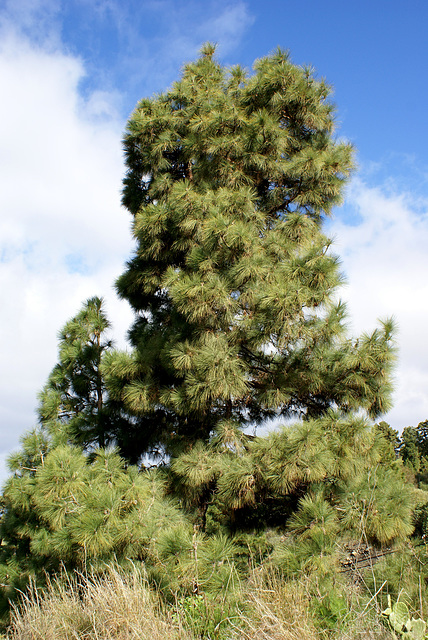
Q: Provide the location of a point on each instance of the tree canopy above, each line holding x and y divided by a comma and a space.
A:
233, 282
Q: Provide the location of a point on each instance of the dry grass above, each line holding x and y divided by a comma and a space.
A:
275, 611
120, 606
116, 606
279, 610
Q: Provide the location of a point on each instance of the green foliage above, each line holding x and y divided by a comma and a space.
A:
187, 562
331, 465
400, 621
233, 282
314, 520
414, 450
390, 441
207, 617
329, 610
76, 511
379, 505
74, 404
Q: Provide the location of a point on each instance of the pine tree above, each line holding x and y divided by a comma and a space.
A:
234, 287
233, 282
335, 460
74, 404
389, 443
414, 450
63, 508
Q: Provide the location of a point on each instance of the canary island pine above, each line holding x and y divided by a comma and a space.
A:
233, 282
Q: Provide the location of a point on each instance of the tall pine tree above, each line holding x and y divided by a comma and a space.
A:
233, 282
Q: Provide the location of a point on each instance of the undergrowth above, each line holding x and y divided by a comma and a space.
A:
119, 604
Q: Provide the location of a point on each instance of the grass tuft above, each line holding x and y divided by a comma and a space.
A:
113, 606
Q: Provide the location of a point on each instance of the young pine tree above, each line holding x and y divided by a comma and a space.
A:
74, 404
62, 508
233, 282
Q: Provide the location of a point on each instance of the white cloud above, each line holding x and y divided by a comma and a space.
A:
185, 28
228, 27
56, 159
385, 259
63, 234
35, 19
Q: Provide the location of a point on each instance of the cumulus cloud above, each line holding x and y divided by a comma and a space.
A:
55, 156
382, 238
63, 234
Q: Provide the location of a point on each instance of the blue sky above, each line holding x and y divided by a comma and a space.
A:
71, 72
373, 53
